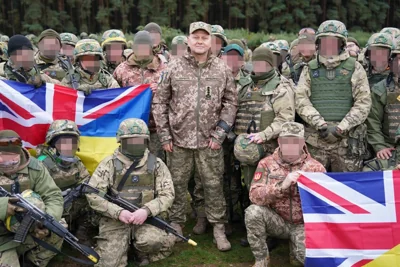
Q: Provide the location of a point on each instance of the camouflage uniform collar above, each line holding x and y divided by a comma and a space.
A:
91, 78
333, 62
128, 162
153, 65
300, 161
40, 59
188, 55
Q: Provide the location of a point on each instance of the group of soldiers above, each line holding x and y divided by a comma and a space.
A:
229, 125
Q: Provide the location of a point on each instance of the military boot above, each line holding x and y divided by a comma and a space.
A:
201, 226
178, 229
262, 263
220, 237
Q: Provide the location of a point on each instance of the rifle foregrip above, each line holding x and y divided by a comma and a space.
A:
23, 229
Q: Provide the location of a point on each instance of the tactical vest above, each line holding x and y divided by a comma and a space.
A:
53, 71
139, 188
331, 90
100, 83
375, 78
63, 180
255, 112
391, 120
22, 179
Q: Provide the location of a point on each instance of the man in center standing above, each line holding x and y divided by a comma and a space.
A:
194, 108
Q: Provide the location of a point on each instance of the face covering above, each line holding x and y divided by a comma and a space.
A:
66, 148
133, 149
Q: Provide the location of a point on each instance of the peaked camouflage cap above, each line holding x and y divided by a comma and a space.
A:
291, 128
132, 128
199, 25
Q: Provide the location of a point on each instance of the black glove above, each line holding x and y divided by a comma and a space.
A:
330, 134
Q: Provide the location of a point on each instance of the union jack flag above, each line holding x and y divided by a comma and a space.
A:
351, 219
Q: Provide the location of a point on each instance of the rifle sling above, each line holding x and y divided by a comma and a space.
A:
126, 175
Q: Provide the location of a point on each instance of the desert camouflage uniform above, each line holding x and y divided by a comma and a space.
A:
187, 107
275, 211
114, 236
129, 73
51, 68
295, 58
341, 93
31, 175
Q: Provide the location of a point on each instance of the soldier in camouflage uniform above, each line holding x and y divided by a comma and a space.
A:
68, 42
276, 52
114, 44
20, 65
143, 67
5, 39
178, 46
383, 119
88, 73
306, 48
67, 170
283, 47
291, 59
149, 186
19, 172
333, 99
3, 52
353, 47
218, 40
194, 109
49, 43
276, 209
159, 48
83, 35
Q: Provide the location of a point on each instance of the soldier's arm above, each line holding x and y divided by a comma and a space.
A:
65, 82
362, 100
164, 191
283, 105
112, 83
83, 172
374, 123
117, 75
303, 105
229, 105
45, 186
102, 179
46, 79
160, 105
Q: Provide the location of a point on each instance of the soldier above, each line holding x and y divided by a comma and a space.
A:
276, 209
93, 36
276, 54
194, 109
353, 47
68, 42
383, 121
283, 46
83, 35
218, 40
67, 170
20, 172
88, 74
5, 39
248, 53
291, 59
148, 185
333, 99
178, 46
49, 43
20, 65
3, 52
159, 49
114, 44
143, 67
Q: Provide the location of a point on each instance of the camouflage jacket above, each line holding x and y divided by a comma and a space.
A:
36, 177
192, 99
103, 179
100, 80
360, 91
34, 77
266, 187
50, 68
110, 67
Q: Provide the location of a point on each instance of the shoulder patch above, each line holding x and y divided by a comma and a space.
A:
34, 164
257, 176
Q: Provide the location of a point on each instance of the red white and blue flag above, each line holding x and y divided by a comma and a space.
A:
29, 111
351, 219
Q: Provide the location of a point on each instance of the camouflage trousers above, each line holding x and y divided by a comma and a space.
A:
155, 146
209, 166
115, 237
262, 222
34, 253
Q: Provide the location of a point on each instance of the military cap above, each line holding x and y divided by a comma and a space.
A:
292, 129
218, 31
199, 25
306, 38
153, 27
234, 47
49, 33
353, 40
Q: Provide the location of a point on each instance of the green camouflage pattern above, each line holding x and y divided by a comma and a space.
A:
113, 35
332, 28
60, 127
396, 45
391, 31
68, 38
180, 39
282, 44
88, 47
132, 128
93, 36
272, 46
199, 25
380, 40
217, 30
4, 51
292, 129
246, 152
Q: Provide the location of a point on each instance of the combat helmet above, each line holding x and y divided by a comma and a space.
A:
61, 127
68, 38
332, 28
247, 153
282, 44
396, 50
272, 46
83, 35
132, 128
87, 47
391, 31
380, 40
113, 35
217, 30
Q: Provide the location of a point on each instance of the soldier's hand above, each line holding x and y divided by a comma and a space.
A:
330, 134
385, 153
256, 138
87, 91
138, 217
154, 87
125, 216
11, 208
214, 145
168, 147
290, 179
40, 232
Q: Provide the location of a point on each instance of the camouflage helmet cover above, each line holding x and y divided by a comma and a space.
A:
180, 39
390, 30
113, 35
61, 127
380, 40
3, 51
282, 44
396, 50
68, 38
332, 28
4, 38
87, 47
132, 128
272, 46
247, 153
217, 30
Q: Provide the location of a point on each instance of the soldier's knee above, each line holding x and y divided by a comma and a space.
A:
253, 212
148, 244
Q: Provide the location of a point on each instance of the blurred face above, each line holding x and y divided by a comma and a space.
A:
353, 49
67, 50
23, 58
178, 50
396, 65
379, 58
306, 49
91, 63
133, 146
49, 47
142, 51
234, 60
291, 147
199, 42
307, 30
156, 37
114, 52
67, 146
216, 44
260, 67
329, 46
